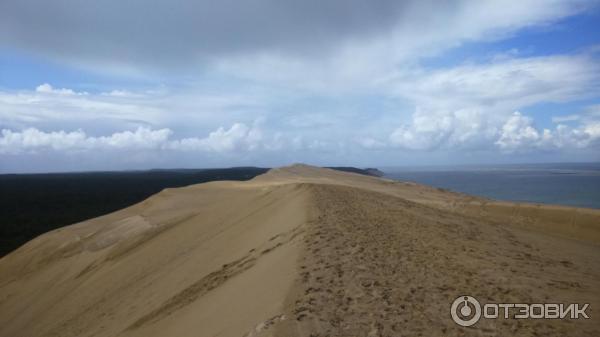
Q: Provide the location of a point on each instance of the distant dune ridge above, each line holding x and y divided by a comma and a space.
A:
303, 251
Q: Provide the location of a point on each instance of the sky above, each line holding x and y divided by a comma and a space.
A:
139, 84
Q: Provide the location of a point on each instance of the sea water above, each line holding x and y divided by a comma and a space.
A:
572, 184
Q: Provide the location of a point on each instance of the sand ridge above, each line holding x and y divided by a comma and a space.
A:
377, 266
301, 251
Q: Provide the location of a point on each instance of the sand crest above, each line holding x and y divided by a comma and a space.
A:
302, 251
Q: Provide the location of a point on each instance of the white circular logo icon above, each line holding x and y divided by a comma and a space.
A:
465, 310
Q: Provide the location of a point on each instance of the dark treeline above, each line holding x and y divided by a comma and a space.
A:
32, 204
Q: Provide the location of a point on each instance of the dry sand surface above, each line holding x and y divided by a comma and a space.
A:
303, 251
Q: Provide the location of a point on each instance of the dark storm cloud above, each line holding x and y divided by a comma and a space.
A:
181, 31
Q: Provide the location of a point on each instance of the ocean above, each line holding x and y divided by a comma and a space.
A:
572, 184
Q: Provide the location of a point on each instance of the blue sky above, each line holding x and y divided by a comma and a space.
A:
189, 84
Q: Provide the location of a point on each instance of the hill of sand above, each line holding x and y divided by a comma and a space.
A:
303, 251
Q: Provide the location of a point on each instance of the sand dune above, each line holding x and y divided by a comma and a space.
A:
303, 251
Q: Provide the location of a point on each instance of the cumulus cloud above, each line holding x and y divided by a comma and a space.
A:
48, 89
584, 134
33, 140
239, 137
519, 133
471, 106
427, 131
469, 128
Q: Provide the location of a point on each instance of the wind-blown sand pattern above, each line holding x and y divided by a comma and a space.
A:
303, 251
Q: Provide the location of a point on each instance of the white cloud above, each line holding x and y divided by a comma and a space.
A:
32, 140
573, 138
516, 82
519, 133
585, 134
141, 138
48, 89
469, 128
470, 107
473, 130
428, 130
49, 108
121, 93
466, 108
238, 138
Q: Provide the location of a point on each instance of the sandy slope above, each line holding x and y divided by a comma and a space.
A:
302, 251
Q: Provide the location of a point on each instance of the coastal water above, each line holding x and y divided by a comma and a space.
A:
572, 184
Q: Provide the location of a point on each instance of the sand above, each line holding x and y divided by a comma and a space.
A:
303, 251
